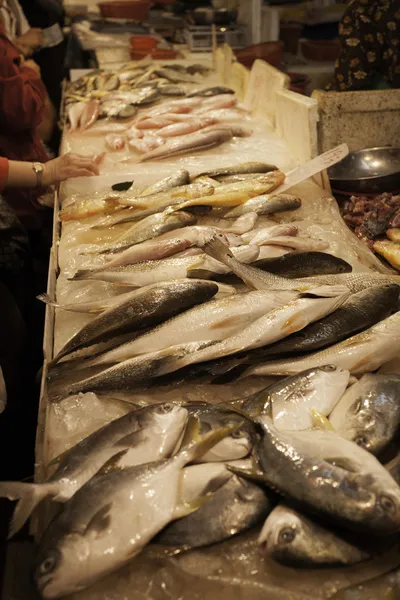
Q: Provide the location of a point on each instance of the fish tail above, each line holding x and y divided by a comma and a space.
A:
29, 495
46, 299
194, 445
218, 250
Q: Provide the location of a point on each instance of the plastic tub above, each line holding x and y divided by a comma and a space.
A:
143, 42
126, 9
271, 52
320, 50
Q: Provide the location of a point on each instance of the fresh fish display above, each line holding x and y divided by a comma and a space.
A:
144, 435
193, 142
361, 353
360, 311
304, 264
292, 400
369, 412
266, 204
212, 321
93, 524
330, 476
293, 539
142, 308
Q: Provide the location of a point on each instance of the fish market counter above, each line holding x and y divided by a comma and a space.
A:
158, 323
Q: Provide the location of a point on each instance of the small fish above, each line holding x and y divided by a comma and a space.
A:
194, 142
304, 264
211, 91
115, 142
360, 311
148, 250
89, 114
143, 435
389, 250
142, 308
186, 127
361, 353
394, 235
179, 178
249, 167
93, 525
330, 476
294, 540
266, 204
369, 412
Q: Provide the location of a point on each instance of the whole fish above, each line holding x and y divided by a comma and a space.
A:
266, 204
274, 325
211, 91
212, 321
94, 525
235, 507
92, 306
369, 412
142, 308
179, 178
89, 114
292, 400
361, 353
149, 228
249, 167
193, 142
330, 476
187, 127
303, 264
143, 435
360, 311
294, 540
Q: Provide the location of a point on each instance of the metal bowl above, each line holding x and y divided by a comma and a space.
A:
374, 170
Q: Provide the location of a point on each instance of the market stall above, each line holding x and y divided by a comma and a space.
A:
172, 213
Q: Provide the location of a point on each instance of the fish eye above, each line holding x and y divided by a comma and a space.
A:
287, 535
362, 441
237, 434
166, 408
387, 504
48, 565
328, 368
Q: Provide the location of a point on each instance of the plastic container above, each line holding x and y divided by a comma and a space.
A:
290, 34
320, 50
271, 52
299, 83
143, 42
137, 10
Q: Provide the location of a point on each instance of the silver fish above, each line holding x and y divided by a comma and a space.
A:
293, 539
369, 412
331, 476
361, 353
266, 204
141, 436
354, 281
143, 308
92, 306
93, 525
249, 167
193, 142
179, 178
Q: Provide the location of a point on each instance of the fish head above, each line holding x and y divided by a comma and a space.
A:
168, 420
282, 534
330, 379
380, 502
234, 447
62, 568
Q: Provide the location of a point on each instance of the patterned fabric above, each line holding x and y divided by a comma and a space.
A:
369, 46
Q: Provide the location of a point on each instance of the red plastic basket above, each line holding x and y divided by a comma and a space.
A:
271, 52
137, 10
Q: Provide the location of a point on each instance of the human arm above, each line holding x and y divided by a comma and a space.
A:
30, 41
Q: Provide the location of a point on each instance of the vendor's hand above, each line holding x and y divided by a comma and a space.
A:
33, 39
32, 65
68, 166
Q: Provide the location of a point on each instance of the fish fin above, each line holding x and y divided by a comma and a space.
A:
193, 445
195, 273
46, 299
250, 474
218, 250
183, 510
57, 459
29, 495
80, 274
342, 462
100, 521
112, 463
131, 440
320, 421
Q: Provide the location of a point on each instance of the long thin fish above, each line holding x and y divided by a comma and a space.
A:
266, 204
195, 142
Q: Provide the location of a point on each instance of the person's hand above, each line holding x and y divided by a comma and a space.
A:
32, 39
67, 166
32, 65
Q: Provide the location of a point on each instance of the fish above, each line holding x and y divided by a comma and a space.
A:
184, 128
211, 321
240, 169
193, 142
142, 308
303, 264
369, 412
298, 243
272, 326
171, 90
180, 106
91, 307
179, 178
294, 540
393, 235
292, 400
115, 142
216, 102
266, 204
148, 250
75, 114
142, 435
329, 476
361, 353
175, 76
389, 250
210, 91
235, 507
148, 228
359, 312
94, 521
89, 114
286, 229
82, 209
258, 279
